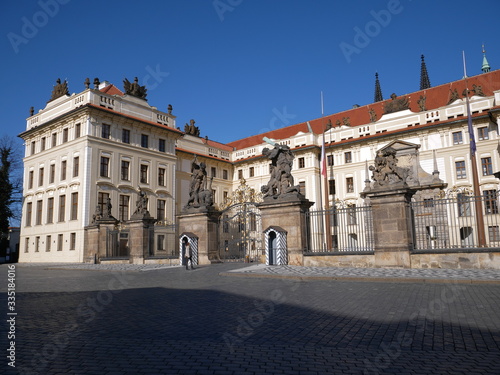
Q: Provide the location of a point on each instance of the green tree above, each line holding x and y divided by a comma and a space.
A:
10, 189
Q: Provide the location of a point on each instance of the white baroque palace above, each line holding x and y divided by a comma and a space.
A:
103, 146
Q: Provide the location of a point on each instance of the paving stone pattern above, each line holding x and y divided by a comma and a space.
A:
122, 320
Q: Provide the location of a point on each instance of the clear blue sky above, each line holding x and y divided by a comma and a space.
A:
239, 67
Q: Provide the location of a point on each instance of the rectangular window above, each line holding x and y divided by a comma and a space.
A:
62, 208
52, 173
331, 187
37, 244
50, 210
483, 133
348, 157
329, 160
490, 202
26, 244
29, 212
144, 174
54, 140
39, 208
65, 135
351, 215
161, 176
457, 138
48, 242
42, 144
213, 170
144, 141
104, 171
349, 184
160, 209
64, 165
494, 233
59, 242
77, 130
161, 145
302, 163
40, 177
72, 241
106, 131
486, 166
30, 179
74, 206
225, 174
224, 196
429, 202
460, 169
240, 174
124, 207
102, 200
125, 170
214, 195
160, 242
125, 136
252, 171
76, 166
33, 144
463, 205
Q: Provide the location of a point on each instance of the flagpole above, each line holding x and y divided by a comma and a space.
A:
475, 175
324, 172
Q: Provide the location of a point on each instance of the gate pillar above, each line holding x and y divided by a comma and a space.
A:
276, 247
204, 225
96, 239
392, 227
290, 216
139, 239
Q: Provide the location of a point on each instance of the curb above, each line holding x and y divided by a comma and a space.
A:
363, 279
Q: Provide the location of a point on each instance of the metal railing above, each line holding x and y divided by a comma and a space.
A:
351, 230
452, 223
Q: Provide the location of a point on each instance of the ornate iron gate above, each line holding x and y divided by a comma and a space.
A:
240, 233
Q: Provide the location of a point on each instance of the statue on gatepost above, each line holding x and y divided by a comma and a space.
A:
200, 188
386, 171
141, 207
281, 182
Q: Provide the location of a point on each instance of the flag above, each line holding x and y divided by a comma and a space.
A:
323, 158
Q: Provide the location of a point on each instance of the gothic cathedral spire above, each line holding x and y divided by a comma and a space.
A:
425, 83
378, 90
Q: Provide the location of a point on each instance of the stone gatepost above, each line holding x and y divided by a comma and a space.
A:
289, 214
392, 227
396, 177
97, 239
203, 223
139, 239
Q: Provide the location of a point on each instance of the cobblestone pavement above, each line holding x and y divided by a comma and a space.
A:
123, 320
372, 274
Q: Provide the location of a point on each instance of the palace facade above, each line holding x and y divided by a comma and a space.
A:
93, 153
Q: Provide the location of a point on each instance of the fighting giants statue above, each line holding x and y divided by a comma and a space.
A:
281, 182
200, 189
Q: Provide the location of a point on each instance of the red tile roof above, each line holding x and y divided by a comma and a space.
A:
112, 90
436, 97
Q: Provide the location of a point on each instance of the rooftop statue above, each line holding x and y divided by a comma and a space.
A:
60, 89
191, 129
134, 88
